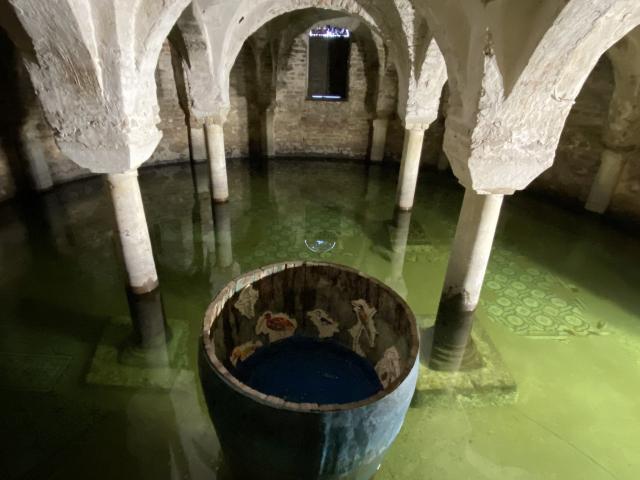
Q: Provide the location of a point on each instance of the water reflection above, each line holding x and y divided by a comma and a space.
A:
126, 424
399, 236
222, 228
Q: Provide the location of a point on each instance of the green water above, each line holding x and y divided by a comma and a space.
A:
560, 304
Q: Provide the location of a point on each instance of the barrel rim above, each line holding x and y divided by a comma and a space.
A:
240, 282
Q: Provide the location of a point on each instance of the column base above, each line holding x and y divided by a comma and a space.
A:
452, 348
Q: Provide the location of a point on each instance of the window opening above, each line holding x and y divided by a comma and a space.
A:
328, 74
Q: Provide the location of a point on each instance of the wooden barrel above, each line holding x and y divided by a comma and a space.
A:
267, 436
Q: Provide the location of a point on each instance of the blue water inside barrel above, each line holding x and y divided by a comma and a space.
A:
306, 370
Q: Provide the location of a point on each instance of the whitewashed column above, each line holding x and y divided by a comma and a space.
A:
133, 231
472, 248
197, 143
606, 181
465, 275
411, 154
37, 146
379, 139
217, 161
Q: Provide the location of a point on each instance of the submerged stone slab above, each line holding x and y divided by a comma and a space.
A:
489, 383
118, 363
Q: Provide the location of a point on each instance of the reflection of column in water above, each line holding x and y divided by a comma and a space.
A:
150, 332
184, 431
222, 227
373, 183
56, 220
399, 237
197, 261
195, 435
186, 240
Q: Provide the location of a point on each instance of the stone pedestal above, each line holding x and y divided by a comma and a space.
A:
463, 282
217, 162
409, 168
606, 181
133, 231
378, 139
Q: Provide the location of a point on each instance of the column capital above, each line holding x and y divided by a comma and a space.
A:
416, 123
217, 118
127, 173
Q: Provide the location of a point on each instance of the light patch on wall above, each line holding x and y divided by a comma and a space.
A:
330, 32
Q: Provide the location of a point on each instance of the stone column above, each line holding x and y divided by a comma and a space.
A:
39, 171
269, 146
37, 144
133, 231
197, 144
611, 165
411, 154
379, 139
217, 160
465, 274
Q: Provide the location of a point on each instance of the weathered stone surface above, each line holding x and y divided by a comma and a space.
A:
511, 87
92, 66
488, 384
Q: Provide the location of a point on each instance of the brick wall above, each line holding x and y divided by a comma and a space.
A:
320, 127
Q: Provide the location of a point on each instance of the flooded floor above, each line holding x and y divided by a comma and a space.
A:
560, 304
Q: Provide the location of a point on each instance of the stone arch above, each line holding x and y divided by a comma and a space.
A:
623, 129
505, 121
190, 38
248, 20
